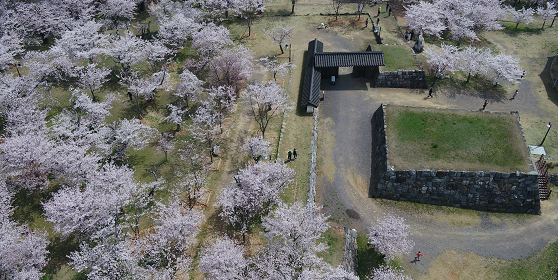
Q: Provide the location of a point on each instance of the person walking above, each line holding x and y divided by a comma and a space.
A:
366, 22
389, 11
379, 11
430, 93
378, 21
418, 256
295, 153
290, 156
514, 95
484, 105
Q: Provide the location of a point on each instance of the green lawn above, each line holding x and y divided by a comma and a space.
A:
420, 138
398, 57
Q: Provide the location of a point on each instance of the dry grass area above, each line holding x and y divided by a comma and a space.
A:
429, 138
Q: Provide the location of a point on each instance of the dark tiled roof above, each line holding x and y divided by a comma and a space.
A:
312, 77
348, 59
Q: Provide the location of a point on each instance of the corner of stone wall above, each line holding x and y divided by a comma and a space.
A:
379, 150
523, 135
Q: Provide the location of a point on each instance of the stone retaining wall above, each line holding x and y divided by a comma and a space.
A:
350, 258
515, 192
311, 196
402, 79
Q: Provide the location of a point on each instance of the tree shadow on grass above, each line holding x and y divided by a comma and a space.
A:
58, 251
522, 29
367, 257
551, 91
479, 87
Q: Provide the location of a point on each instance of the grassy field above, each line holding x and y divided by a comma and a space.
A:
421, 138
399, 57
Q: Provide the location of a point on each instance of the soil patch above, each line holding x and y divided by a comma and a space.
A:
339, 22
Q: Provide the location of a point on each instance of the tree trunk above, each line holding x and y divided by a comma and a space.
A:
544, 21
281, 47
552, 21
137, 104
516, 25
166, 158
226, 14
178, 127
92, 94
468, 77
292, 11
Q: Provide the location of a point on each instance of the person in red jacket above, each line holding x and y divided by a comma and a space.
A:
418, 256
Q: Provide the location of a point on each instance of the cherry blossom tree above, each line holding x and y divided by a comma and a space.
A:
280, 34
211, 39
176, 228
248, 9
224, 260
472, 61
204, 127
232, 67
84, 41
266, 100
37, 22
385, 272
23, 252
86, 211
441, 60
198, 171
522, 16
223, 99
176, 30
257, 147
548, 12
336, 6
293, 233
27, 160
165, 144
92, 78
127, 51
144, 87
504, 68
189, 87
221, 5
272, 65
425, 18
390, 236
463, 19
253, 187
117, 11
10, 47
127, 134
175, 117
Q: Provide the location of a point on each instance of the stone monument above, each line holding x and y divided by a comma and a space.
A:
419, 44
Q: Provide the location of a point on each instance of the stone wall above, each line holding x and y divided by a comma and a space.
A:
402, 79
311, 196
515, 192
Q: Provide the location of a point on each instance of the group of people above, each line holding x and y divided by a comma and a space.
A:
292, 154
409, 35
